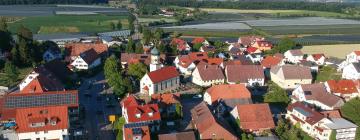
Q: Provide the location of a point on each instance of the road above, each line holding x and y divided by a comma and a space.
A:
96, 110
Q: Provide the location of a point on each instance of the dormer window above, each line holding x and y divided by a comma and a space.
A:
138, 115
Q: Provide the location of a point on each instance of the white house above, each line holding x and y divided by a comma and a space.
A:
255, 57
87, 60
353, 57
42, 123
160, 81
319, 126
186, 63
293, 56
52, 53
206, 75
250, 75
345, 89
319, 59
351, 71
317, 95
109, 41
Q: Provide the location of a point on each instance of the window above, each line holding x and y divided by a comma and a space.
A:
37, 132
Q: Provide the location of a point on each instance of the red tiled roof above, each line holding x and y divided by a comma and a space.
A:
248, 40
198, 40
144, 111
255, 116
342, 86
332, 113
180, 44
166, 99
75, 49
26, 116
270, 61
189, 135
313, 116
317, 56
198, 56
162, 74
129, 134
213, 61
132, 58
251, 49
207, 125
210, 72
357, 53
129, 101
292, 72
242, 73
264, 44
43, 84
234, 91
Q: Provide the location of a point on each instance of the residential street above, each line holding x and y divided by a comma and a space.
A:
97, 108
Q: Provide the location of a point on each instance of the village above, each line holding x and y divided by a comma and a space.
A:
171, 88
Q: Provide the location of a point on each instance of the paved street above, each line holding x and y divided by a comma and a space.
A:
96, 109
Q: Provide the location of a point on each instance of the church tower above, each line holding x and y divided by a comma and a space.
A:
155, 60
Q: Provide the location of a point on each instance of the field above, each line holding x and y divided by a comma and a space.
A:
147, 19
311, 29
276, 12
215, 26
69, 23
339, 51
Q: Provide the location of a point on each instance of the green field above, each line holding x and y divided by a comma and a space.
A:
312, 29
69, 23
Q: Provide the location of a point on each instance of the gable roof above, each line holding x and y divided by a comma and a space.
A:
207, 125
198, 40
252, 49
89, 56
210, 72
58, 69
75, 49
318, 92
248, 40
208, 48
166, 99
264, 44
312, 116
180, 44
317, 56
296, 52
356, 66
342, 86
189, 135
242, 73
292, 72
130, 132
224, 91
162, 74
26, 116
357, 53
255, 116
43, 84
131, 58
270, 61
130, 100
144, 111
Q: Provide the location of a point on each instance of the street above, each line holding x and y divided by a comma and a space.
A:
97, 108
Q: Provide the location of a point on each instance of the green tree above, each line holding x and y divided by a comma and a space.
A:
112, 26
127, 83
5, 36
159, 33
139, 48
251, 137
147, 35
119, 25
244, 136
276, 94
137, 70
350, 110
218, 44
130, 48
284, 45
113, 76
333, 135
25, 44
11, 72
197, 47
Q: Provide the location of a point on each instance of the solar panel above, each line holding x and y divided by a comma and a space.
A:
37, 100
134, 125
137, 131
302, 111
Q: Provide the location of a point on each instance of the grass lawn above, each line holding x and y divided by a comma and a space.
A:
327, 73
119, 126
276, 12
69, 23
23, 73
339, 50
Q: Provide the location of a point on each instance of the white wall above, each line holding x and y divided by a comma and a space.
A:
53, 134
27, 80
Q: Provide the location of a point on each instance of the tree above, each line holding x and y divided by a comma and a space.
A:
147, 35
197, 46
112, 26
244, 136
119, 25
139, 48
113, 76
276, 94
130, 48
251, 137
218, 44
11, 72
5, 36
3, 24
350, 110
25, 42
137, 70
284, 45
333, 135
159, 33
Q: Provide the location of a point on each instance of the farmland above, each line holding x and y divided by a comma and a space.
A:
215, 26
339, 51
70, 23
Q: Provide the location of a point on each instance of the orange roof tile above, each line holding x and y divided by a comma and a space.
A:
144, 111
234, 91
198, 40
130, 133
255, 116
342, 86
26, 116
75, 49
270, 61
162, 74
